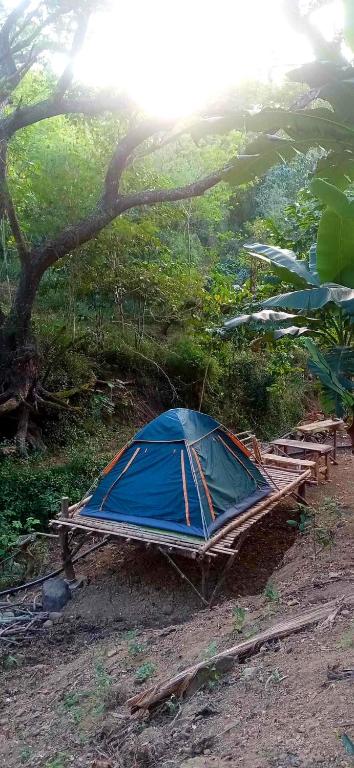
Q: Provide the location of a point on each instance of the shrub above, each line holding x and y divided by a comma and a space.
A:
30, 491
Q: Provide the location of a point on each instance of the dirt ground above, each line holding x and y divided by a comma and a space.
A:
63, 698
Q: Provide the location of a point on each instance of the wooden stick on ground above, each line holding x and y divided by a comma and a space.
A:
179, 684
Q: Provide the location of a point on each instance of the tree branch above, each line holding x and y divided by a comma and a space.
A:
74, 236
153, 196
13, 17
48, 108
78, 40
7, 206
122, 155
21, 246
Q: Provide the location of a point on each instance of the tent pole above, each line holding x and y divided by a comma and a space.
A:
183, 575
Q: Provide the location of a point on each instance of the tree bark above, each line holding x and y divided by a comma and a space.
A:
18, 351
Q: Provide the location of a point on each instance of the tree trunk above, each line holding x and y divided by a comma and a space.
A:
18, 351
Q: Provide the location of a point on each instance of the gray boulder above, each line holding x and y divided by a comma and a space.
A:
55, 594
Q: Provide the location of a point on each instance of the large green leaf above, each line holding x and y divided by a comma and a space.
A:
311, 299
341, 360
284, 263
313, 125
341, 96
330, 376
259, 156
337, 168
335, 249
333, 198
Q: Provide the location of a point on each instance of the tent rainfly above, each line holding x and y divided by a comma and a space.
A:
182, 472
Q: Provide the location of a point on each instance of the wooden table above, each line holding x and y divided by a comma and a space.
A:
327, 425
316, 450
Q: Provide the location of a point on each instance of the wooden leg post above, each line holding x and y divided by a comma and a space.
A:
66, 553
229, 564
327, 467
205, 566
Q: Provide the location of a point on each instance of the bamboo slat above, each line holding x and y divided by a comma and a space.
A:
220, 544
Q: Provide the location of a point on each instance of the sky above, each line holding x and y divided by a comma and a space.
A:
174, 56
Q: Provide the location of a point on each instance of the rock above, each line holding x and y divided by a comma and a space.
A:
48, 624
55, 594
55, 616
248, 673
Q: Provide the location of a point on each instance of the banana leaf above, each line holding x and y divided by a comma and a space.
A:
293, 330
284, 263
314, 298
335, 249
264, 316
339, 389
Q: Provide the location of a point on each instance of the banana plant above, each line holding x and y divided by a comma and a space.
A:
332, 257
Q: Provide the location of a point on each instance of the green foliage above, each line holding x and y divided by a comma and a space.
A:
135, 648
238, 618
211, 650
335, 373
30, 491
60, 761
145, 671
271, 593
348, 744
347, 639
318, 523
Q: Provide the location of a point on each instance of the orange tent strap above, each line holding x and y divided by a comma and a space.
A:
185, 492
114, 461
118, 478
240, 445
207, 492
237, 458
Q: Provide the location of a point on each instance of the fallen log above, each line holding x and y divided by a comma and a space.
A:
180, 683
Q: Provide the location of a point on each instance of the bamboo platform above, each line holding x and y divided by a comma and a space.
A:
225, 543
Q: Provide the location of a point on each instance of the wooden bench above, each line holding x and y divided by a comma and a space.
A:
326, 425
274, 460
316, 451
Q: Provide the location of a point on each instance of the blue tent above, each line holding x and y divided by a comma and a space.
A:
182, 472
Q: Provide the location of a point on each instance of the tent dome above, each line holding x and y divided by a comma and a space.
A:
177, 424
183, 472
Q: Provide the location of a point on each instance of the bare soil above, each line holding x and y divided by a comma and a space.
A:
63, 698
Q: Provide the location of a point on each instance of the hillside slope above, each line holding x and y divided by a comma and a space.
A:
63, 699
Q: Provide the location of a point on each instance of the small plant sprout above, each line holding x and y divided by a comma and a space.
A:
275, 678
210, 651
60, 761
238, 617
26, 754
309, 523
172, 704
145, 671
103, 679
135, 648
347, 640
271, 593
